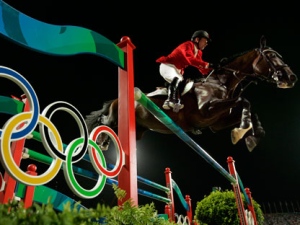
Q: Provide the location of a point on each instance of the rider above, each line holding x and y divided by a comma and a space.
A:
172, 66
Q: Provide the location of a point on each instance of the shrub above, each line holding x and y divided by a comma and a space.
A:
220, 208
14, 213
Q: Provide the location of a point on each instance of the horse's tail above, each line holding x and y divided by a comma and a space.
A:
94, 118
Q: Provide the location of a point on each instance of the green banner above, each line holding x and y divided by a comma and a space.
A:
55, 39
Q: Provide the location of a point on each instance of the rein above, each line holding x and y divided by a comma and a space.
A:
263, 54
266, 65
234, 73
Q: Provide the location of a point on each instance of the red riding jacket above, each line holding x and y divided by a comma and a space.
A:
185, 55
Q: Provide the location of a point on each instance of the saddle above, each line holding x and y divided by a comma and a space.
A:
206, 90
164, 91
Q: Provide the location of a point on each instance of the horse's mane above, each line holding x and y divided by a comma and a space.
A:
225, 60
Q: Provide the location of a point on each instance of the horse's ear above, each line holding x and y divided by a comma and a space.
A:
262, 42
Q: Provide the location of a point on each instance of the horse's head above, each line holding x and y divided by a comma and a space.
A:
270, 66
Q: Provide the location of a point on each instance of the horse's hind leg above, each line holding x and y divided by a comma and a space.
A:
110, 119
245, 125
259, 132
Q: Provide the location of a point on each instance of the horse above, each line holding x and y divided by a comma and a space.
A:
215, 102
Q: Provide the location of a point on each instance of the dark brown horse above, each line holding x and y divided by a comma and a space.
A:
214, 102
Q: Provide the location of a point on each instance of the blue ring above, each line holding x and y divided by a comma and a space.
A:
31, 97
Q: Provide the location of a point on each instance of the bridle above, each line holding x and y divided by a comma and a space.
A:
274, 70
263, 54
267, 65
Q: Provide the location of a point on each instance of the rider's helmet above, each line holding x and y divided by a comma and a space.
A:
200, 34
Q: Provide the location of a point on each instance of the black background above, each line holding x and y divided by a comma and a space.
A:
271, 171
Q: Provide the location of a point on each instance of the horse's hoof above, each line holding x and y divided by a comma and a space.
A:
103, 147
235, 136
251, 142
238, 133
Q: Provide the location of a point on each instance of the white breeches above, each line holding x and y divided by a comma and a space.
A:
168, 72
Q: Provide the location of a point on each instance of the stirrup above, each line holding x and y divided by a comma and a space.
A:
166, 105
176, 106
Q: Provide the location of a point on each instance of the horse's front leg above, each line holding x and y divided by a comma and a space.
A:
245, 124
228, 112
220, 106
259, 132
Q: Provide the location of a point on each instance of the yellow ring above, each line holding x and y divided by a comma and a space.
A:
9, 162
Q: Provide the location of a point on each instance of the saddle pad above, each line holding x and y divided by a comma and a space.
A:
158, 91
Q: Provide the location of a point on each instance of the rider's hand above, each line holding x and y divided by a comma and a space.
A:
214, 66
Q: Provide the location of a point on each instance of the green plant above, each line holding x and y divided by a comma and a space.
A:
128, 213
220, 208
14, 213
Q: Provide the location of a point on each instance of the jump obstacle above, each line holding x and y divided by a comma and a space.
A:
41, 193
14, 105
232, 177
127, 178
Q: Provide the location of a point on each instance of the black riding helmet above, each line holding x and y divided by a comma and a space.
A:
200, 34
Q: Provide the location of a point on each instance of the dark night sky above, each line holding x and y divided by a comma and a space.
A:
271, 171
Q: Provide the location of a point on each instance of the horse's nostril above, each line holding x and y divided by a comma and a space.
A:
293, 78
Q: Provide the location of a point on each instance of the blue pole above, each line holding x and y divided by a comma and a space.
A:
168, 122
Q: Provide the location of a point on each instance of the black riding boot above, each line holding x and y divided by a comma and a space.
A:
175, 101
167, 101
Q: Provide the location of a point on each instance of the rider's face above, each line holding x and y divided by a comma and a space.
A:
202, 43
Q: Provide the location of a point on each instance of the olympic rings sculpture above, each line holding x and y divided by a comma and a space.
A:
21, 125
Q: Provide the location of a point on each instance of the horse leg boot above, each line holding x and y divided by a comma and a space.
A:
252, 140
175, 101
245, 126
